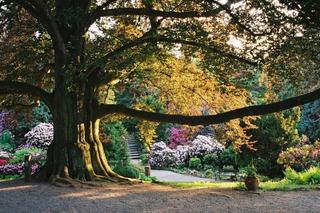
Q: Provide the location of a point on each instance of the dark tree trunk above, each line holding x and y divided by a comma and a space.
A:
77, 152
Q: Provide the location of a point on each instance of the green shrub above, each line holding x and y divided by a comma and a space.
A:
117, 148
229, 157
143, 177
41, 114
310, 176
127, 170
195, 163
18, 156
209, 173
6, 140
210, 159
206, 167
144, 159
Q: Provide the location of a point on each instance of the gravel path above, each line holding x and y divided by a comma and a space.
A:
163, 175
19, 197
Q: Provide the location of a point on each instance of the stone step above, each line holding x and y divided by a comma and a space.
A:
134, 153
134, 149
134, 158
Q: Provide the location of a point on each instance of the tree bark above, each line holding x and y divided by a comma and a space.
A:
77, 152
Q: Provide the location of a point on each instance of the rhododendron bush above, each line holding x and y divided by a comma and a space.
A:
203, 145
40, 136
301, 158
162, 156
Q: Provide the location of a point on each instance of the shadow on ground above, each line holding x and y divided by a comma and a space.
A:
16, 196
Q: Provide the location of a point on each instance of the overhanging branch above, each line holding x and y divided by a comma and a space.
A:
13, 87
105, 109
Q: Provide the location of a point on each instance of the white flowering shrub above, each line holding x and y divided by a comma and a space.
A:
40, 136
183, 154
4, 155
203, 145
162, 156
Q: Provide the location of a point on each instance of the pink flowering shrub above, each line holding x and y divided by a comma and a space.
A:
3, 161
40, 136
301, 158
179, 136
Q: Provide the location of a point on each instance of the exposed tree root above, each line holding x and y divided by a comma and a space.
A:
97, 181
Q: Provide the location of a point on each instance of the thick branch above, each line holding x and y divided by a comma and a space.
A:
105, 109
12, 87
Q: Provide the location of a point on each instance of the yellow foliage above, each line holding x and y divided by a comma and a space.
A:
147, 129
188, 90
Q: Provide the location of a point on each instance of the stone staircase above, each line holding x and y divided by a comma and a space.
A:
133, 148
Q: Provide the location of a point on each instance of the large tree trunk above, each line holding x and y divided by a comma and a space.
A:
77, 152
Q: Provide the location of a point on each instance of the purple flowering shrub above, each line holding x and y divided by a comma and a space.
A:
179, 136
40, 136
7, 121
17, 169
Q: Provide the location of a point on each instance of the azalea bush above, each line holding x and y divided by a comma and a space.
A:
40, 136
3, 162
179, 136
301, 158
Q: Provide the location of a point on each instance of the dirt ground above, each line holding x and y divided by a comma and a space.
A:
16, 196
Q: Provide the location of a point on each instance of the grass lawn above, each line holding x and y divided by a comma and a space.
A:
282, 185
